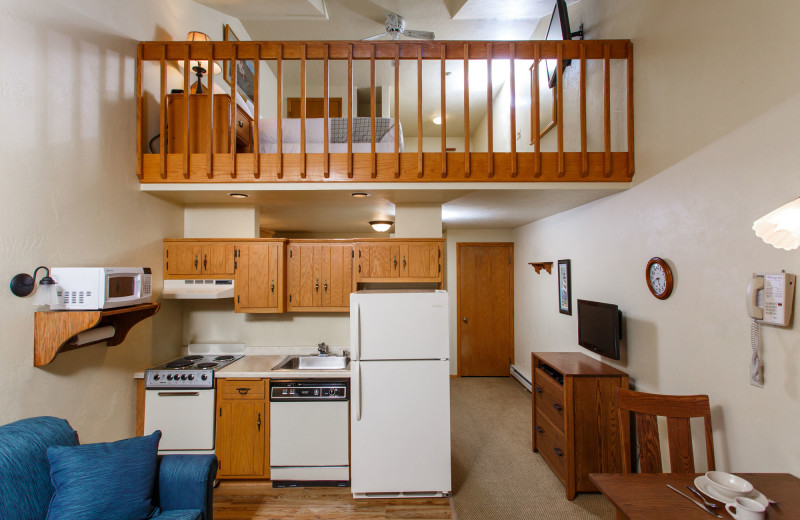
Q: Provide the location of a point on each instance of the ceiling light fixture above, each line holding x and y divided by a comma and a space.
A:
437, 120
781, 228
359, 195
381, 225
238, 195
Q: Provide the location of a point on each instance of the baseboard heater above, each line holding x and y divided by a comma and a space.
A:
519, 376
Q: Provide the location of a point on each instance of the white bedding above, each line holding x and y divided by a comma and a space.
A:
268, 138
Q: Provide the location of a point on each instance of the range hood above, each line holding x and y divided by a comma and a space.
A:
191, 289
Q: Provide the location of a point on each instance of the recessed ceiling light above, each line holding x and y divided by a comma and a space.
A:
381, 225
238, 195
437, 120
359, 195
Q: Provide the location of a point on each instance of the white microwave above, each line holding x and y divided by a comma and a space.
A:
95, 288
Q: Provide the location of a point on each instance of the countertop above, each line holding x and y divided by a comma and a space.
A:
260, 366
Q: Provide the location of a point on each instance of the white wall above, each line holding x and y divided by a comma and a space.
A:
453, 238
716, 149
418, 221
208, 221
70, 196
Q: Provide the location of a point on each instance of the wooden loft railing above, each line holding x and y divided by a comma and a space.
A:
442, 166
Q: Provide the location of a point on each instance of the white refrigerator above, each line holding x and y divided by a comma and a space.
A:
400, 394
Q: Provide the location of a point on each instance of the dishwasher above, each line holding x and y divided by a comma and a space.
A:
309, 432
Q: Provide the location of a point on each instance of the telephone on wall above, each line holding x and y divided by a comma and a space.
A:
769, 301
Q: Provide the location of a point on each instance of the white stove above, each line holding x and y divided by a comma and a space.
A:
179, 397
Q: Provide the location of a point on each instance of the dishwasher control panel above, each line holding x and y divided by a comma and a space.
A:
309, 390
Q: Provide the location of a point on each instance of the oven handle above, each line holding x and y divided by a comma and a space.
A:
178, 394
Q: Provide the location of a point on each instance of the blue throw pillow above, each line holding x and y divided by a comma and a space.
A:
105, 481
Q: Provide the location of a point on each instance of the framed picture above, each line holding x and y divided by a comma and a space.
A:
245, 70
564, 288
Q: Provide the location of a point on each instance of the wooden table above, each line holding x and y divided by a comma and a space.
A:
646, 496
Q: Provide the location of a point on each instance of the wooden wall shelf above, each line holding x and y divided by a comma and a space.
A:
547, 266
53, 330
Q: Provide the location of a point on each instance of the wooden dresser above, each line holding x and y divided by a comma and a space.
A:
574, 417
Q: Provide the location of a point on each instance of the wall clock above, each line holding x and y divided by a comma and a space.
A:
659, 278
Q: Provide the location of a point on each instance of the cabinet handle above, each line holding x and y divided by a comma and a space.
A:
316, 285
359, 268
272, 286
464, 319
205, 262
539, 429
326, 286
558, 452
557, 406
395, 261
404, 262
195, 261
537, 389
243, 391
259, 422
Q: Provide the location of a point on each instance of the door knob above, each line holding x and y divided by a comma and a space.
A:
464, 319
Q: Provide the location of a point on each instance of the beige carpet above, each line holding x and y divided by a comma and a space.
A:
495, 473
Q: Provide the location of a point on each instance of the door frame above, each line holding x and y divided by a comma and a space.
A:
459, 245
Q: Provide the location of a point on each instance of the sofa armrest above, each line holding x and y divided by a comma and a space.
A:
187, 482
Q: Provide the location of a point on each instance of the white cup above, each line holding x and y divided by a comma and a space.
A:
746, 509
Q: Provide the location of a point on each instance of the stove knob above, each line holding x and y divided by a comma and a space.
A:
191, 377
156, 377
333, 391
204, 377
183, 377
169, 377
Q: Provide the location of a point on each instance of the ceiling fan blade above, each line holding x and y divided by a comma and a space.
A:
381, 35
422, 35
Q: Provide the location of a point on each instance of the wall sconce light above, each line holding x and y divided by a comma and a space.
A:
23, 284
381, 225
781, 228
199, 67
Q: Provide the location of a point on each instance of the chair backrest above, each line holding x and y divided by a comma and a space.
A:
678, 409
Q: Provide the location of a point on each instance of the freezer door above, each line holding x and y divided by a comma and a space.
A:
399, 325
400, 427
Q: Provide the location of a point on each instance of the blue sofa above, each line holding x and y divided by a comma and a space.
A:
184, 485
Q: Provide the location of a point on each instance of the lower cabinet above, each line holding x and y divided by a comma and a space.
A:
242, 428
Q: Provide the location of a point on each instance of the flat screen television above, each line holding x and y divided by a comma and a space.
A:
599, 328
559, 30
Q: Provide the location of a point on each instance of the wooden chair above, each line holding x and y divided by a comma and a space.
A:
677, 409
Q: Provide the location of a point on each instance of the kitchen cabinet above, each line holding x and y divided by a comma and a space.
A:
259, 281
242, 445
575, 424
319, 276
198, 259
403, 260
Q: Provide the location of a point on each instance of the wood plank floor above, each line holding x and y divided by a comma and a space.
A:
259, 501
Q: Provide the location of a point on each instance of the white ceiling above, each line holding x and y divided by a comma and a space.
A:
330, 208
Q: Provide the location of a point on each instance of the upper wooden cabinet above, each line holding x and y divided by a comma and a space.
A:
398, 260
259, 283
198, 259
319, 275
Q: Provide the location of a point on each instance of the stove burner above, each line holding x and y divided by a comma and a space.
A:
223, 358
192, 358
206, 365
179, 363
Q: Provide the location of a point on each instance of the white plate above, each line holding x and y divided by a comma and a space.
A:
704, 485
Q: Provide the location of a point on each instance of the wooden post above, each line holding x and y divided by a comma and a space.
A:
560, 108
162, 123
279, 123
373, 169
420, 169
256, 109
210, 93
607, 109
537, 145
444, 112
303, 110
139, 112
232, 116
584, 153
631, 165
397, 111
490, 150
188, 128
326, 166
466, 111
514, 172
350, 112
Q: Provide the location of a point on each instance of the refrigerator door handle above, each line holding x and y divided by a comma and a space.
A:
357, 349
357, 397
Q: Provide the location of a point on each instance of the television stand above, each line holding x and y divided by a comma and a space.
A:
575, 417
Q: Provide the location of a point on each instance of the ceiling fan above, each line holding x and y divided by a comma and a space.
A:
396, 25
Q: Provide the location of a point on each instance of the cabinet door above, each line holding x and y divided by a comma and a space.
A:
377, 260
241, 438
301, 276
217, 259
336, 276
420, 260
319, 276
258, 280
181, 259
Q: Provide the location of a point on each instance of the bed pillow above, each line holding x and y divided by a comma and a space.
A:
108, 480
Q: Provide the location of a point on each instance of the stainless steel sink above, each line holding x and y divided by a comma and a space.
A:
313, 363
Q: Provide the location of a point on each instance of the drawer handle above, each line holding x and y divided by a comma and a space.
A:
243, 391
259, 422
538, 389
558, 452
241, 125
272, 286
557, 406
539, 429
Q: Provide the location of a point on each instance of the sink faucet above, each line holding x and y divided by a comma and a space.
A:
323, 349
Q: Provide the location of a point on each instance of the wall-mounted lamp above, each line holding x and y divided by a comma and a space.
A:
199, 67
381, 225
781, 228
23, 284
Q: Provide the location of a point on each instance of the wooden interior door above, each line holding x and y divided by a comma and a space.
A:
485, 308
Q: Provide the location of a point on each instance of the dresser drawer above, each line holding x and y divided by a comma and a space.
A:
550, 443
551, 407
243, 125
241, 388
547, 385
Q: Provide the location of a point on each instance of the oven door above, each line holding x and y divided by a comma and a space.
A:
185, 418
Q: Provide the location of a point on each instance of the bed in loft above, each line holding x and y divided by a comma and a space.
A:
198, 147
